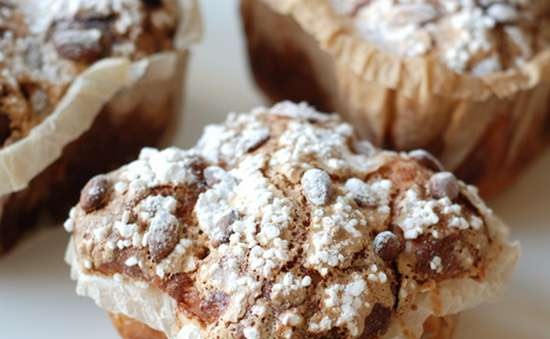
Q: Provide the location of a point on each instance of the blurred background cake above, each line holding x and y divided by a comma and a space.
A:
83, 86
466, 80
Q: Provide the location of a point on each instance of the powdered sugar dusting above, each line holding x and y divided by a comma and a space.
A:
168, 167
283, 220
337, 233
343, 305
416, 215
464, 34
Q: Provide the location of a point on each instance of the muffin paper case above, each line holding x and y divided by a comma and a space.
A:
485, 127
210, 252
434, 328
123, 91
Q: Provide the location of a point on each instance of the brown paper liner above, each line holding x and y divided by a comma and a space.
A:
142, 115
434, 328
484, 128
129, 328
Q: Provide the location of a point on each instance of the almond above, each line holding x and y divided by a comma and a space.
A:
95, 194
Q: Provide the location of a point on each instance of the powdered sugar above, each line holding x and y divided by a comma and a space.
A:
336, 234
168, 167
316, 186
344, 306
417, 215
226, 143
463, 33
376, 194
290, 287
272, 236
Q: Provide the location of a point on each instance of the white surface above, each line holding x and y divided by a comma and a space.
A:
37, 299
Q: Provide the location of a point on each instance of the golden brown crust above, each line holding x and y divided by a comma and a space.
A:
487, 143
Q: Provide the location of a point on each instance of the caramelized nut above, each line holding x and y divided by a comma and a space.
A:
224, 225
95, 194
443, 184
426, 159
316, 185
388, 246
163, 238
81, 45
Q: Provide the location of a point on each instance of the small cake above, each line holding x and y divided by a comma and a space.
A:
78, 78
467, 80
281, 223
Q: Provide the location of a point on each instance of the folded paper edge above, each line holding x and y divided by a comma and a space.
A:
139, 301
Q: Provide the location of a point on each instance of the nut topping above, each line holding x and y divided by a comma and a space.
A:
78, 44
163, 238
388, 245
95, 194
425, 158
316, 184
443, 184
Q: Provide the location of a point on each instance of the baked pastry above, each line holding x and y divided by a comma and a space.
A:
77, 78
466, 80
282, 224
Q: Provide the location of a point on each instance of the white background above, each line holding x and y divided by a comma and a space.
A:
37, 299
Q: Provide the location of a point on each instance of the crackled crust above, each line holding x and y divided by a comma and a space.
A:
45, 45
281, 223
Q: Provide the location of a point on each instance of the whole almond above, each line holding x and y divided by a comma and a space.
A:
95, 194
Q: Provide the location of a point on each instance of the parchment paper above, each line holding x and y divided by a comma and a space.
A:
136, 300
86, 96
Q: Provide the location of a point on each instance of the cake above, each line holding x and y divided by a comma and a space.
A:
282, 223
78, 78
466, 80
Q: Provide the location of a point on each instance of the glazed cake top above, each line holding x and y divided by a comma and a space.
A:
45, 44
469, 36
280, 223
